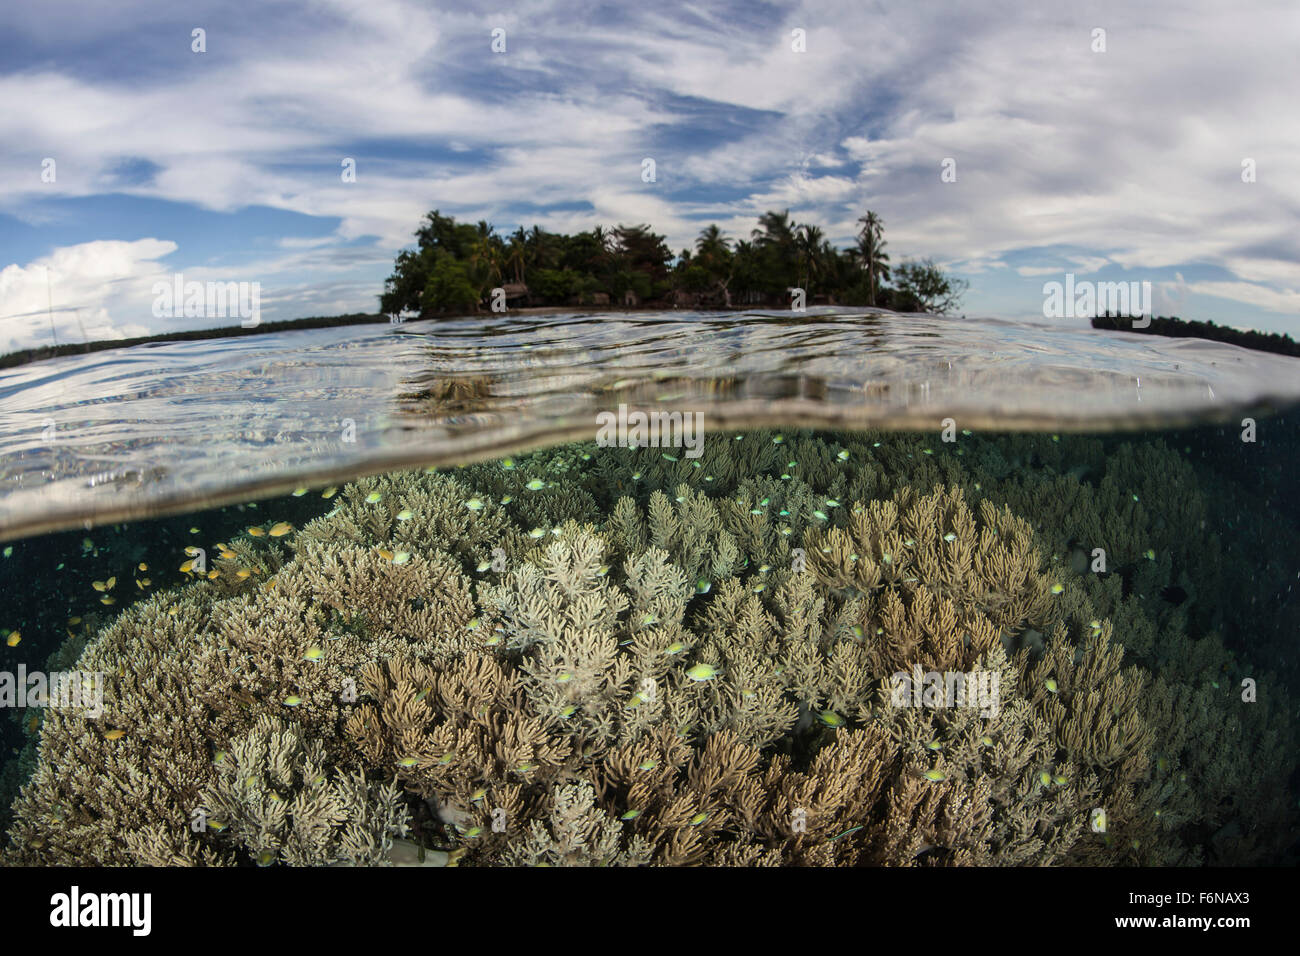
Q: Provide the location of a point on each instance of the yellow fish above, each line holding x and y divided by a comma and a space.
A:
142, 566
186, 568
114, 734
227, 554
280, 529
243, 573
256, 532
74, 621
329, 493
98, 585
107, 600
213, 574
13, 638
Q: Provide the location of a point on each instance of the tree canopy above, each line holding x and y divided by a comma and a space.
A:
455, 266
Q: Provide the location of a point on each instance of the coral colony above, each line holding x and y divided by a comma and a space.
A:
787, 649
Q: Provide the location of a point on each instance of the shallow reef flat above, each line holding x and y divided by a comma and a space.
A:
593, 656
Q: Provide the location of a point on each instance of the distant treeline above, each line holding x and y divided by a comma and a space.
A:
458, 267
318, 322
1182, 329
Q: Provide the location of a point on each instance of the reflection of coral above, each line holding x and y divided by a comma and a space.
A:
593, 657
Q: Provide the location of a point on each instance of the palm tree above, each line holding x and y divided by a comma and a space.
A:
516, 252
871, 254
808, 242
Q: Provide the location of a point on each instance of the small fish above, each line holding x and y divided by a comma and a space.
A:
1060, 781
831, 719
702, 672
886, 559
1045, 778
820, 516
935, 775
537, 533
242, 573
314, 654
507, 499
472, 624
114, 734
950, 537
535, 485
843, 456
483, 566
386, 554
649, 619
986, 740
778, 439
407, 762
630, 815
478, 795
933, 745
676, 647
759, 587
9, 550
702, 586
602, 571
508, 464
256, 532
1095, 625
669, 457
194, 531
227, 555
1051, 685
401, 557
1149, 554
636, 476
329, 492
374, 498
858, 632
526, 768
107, 600
568, 711
756, 511
698, 818
100, 585
299, 492
832, 503
213, 574
474, 504
765, 502
74, 621
1058, 588
293, 700
280, 529
13, 638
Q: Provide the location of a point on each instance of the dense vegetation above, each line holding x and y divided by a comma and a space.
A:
455, 267
1182, 328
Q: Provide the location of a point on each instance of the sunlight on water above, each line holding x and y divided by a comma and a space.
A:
157, 429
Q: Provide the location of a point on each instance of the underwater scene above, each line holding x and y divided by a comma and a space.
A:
758, 589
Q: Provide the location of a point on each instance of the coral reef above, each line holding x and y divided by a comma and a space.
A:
592, 656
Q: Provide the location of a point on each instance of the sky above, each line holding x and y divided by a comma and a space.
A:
1164, 149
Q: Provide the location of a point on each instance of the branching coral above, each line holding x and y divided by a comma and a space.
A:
629, 657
